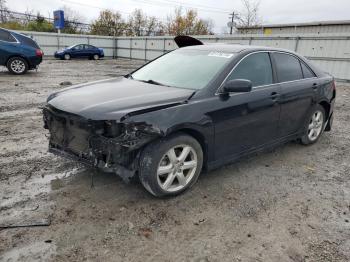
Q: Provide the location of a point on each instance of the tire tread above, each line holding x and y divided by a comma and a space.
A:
149, 162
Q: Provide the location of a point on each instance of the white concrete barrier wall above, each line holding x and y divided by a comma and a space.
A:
331, 52
51, 42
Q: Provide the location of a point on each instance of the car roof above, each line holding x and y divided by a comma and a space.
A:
83, 44
234, 48
237, 48
15, 33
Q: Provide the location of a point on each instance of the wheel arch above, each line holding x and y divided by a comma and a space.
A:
18, 55
326, 106
199, 136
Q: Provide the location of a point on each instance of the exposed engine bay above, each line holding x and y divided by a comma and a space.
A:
110, 145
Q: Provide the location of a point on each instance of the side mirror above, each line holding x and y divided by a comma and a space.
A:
237, 86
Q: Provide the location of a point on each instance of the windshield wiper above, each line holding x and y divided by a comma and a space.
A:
150, 81
129, 76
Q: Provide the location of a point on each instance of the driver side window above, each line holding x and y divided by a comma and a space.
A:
79, 47
256, 68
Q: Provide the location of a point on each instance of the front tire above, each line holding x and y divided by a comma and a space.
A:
315, 126
170, 166
67, 57
96, 57
17, 65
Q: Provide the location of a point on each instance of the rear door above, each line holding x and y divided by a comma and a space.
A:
248, 120
8, 45
298, 90
90, 50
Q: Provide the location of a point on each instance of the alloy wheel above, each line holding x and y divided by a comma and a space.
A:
315, 125
177, 168
18, 66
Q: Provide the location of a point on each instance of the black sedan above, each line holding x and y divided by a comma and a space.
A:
191, 110
80, 51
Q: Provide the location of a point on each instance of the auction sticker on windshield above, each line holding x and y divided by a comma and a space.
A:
220, 54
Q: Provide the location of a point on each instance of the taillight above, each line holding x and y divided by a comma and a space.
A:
39, 52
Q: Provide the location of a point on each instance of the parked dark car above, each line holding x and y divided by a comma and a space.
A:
80, 51
192, 109
19, 53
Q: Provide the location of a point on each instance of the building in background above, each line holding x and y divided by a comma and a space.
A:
322, 27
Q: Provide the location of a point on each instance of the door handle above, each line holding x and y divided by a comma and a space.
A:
314, 85
274, 96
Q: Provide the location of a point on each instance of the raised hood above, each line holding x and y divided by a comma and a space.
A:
112, 99
185, 40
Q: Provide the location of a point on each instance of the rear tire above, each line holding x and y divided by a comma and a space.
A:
170, 166
17, 65
314, 126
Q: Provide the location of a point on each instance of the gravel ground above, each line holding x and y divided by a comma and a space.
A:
289, 204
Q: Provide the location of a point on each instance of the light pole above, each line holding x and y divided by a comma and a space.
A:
232, 16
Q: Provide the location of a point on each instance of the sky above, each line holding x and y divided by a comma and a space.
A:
270, 11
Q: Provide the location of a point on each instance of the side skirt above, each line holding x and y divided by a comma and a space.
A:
266, 147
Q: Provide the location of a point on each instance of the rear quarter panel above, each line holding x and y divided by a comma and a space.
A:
8, 50
325, 91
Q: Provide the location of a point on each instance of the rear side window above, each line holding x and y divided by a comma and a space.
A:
307, 71
6, 36
27, 41
256, 68
288, 67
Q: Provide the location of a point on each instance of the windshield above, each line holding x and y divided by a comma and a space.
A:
184, 68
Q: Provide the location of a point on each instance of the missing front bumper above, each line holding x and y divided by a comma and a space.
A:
92, 162
100, 144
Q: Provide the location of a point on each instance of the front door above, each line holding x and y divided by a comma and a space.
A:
248, 120
78, 51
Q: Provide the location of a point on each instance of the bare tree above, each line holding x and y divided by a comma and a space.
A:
3, 5
137, 22
28, 16
108, 23
141, 24
3, 11
153, 26
188, 24
250, 14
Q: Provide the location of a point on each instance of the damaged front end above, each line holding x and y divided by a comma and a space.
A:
109, 145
